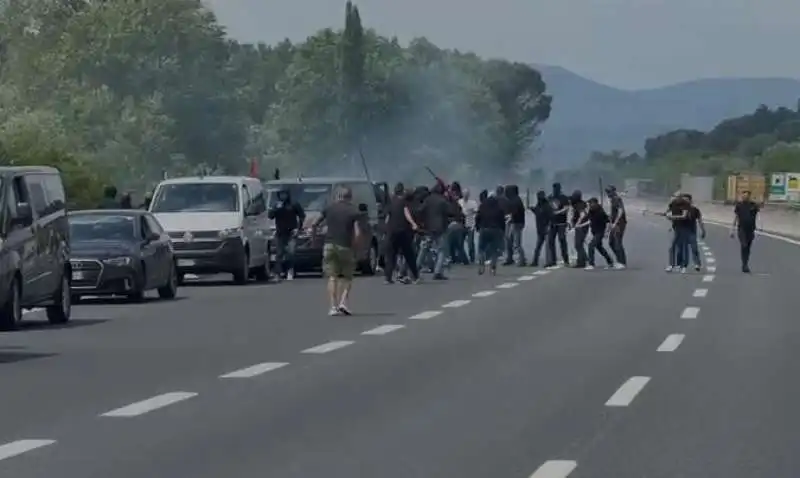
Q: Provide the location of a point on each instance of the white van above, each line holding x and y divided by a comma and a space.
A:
217, 224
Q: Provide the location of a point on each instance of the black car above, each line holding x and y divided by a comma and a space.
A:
120, 252
34, 245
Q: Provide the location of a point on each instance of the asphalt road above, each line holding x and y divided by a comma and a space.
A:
527, 374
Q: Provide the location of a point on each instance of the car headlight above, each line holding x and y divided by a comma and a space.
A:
230, 232
118, 261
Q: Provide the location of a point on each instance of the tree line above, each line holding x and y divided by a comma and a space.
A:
126, 91
763, 142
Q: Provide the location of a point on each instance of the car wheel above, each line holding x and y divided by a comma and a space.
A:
11, 313
170, 289
241, 276
60, 311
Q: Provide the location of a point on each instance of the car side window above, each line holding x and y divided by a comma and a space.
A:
54, 193
259, 201
18, 195
38, 199
247, 198
144, 228
153, 224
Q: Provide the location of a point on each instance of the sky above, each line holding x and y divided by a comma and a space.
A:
630, 44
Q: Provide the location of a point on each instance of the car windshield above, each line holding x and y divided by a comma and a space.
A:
100, 227
197, 197
311, 197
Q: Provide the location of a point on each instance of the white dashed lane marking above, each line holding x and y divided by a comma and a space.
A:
255, 370
484, 293
383, 330
456, 303
690, 313
541, 273
428, 314
711, 260
555, 469
525, 278
508, 285
700, 293
711, 269
627, 392
146, 406
10, 450
328, 347
671, 343
708, 278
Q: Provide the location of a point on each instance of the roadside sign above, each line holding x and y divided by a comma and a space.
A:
777, 187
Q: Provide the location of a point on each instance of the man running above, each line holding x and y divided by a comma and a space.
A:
598, 222
619, 221
289, 217
559, 203
338, 257
400, 228
543, 213
744, 225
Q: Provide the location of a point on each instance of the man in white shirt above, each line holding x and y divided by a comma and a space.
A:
469, 207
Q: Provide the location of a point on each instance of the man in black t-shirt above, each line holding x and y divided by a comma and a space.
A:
678, 213
400, 228
579, 209
619, 222
597, 221
559, 204
744, 225
694, 220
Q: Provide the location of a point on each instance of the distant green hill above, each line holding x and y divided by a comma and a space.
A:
588, 116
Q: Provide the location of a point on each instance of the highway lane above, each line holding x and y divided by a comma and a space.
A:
724, 404
494, 387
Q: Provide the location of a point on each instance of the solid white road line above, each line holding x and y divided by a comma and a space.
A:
555, 469
383, 329
526, 278
711, 268
428, 314
145, 406
708, 278
541, 273
700, 293
711, 260
671, 343
19, 447
508, 285
456, 303
255, 370
329, 347
690, 313
627, 392
484, 293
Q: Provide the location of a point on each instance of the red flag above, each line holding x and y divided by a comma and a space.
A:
253, 168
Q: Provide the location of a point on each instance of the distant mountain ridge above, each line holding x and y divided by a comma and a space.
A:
589, 116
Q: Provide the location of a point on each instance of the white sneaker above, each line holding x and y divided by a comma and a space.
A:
334, 312
669, 269
290, 274
344, 310
683, 270
588, 268
619, 267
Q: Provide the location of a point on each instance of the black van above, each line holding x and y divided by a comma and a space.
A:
34, 245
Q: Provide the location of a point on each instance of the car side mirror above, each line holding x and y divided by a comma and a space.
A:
23, 216
153, 237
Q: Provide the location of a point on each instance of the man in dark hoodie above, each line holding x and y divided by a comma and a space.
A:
516, 209
289, 218
490, 222
559, 202
543, 213
437, 213
109, 198
579, 210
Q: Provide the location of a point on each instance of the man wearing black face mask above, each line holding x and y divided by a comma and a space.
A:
559, 202
289, 218
578, 215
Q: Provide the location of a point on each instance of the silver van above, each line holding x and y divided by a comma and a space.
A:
216, 224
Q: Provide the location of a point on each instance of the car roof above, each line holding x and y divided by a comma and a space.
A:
109, 212
208, 179
28, 169
317, 180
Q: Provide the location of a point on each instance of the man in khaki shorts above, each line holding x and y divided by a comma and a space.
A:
341, 240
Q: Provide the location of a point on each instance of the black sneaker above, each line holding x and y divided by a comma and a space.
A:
439, 277
746, 269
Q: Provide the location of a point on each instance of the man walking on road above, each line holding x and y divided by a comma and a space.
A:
559, 203
578, 217
744, 225
619, 221
598, 221
543, 213
695, 218
469, 207
490, 221
516, 209
289, 217
341, 240
437, 213
400, 228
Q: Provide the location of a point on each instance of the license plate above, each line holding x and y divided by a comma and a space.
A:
186, 262
77, 275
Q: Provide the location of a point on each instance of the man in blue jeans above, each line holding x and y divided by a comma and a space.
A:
437, 213
678, 213
695, 218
